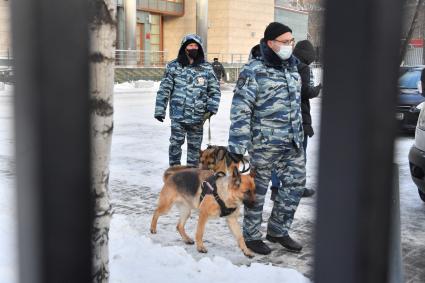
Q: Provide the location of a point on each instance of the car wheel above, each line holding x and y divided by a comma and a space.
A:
422, 195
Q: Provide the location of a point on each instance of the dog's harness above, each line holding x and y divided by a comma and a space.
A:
209, 186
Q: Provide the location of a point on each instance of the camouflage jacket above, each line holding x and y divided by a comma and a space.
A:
192, 90
266, 110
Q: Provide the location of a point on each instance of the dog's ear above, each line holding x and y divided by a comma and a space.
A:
236, 176
228, 159
221, 152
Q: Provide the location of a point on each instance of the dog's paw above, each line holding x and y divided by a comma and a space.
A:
153, 231
189, 242
248, 254
202, 250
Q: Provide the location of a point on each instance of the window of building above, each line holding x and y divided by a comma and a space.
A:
155, 32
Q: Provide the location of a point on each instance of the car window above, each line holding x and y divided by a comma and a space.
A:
410, 79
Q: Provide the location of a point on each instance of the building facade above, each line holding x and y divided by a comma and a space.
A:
149, 30
5, 40
234, 27
415, 54
150, 15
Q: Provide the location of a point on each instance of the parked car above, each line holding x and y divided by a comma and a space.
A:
417, 156
410, 98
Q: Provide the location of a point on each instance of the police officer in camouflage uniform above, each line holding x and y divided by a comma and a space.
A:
266, 121
191, 87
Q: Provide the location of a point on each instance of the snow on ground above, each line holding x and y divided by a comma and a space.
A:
7, 232
8, 254
6, 89
136, 258
142, 161
139, 156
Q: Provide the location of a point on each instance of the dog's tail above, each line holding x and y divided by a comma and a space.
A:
172, 170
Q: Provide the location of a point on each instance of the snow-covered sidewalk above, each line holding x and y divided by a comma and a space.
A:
139, 156
136, 258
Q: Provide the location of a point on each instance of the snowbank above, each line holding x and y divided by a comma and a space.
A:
6, 89
135, 258
137, 86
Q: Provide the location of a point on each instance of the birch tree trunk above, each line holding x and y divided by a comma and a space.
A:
102, 49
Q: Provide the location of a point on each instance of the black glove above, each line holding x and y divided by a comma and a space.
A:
159, 118
236, 157
317, 89
207, 115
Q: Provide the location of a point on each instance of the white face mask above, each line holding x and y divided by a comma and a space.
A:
285, 52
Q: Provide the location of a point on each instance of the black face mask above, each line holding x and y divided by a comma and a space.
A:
192, 53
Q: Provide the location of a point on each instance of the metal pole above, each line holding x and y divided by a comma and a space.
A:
357, 141
202, 23
50, 47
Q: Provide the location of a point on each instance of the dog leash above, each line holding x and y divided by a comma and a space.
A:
209, 130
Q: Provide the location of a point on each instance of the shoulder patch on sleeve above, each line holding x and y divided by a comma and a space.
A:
241, 81
243, 78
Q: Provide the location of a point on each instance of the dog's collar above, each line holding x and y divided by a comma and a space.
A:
209, 186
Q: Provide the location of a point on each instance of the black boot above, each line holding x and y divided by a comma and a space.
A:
258, 246
287, 242
308, 193
274, 193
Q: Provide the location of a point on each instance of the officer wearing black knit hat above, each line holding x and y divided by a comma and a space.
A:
278, 38
266, 121
274, 30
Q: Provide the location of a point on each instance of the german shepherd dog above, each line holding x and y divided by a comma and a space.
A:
218, 159
185, 188
214, 157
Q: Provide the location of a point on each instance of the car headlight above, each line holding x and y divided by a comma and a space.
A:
420, 106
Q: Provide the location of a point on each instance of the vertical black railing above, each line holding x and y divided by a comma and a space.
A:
50, 46
361, 57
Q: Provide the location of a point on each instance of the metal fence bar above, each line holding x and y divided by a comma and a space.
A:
413, 56
140, 58
52, 140
147, 58
357, 141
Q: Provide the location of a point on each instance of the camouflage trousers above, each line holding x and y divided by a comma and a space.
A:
289, 164
179, 132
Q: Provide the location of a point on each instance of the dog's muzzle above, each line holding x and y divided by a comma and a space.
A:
205, 166
248, 200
